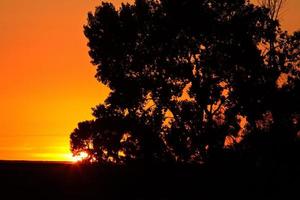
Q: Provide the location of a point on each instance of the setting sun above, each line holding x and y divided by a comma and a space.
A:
149, 99
80, 157
47, 81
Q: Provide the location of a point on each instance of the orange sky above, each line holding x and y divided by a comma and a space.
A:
47, 83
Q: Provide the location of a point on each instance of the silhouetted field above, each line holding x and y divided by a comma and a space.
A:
52, 180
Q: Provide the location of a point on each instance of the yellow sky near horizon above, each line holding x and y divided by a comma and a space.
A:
47, 83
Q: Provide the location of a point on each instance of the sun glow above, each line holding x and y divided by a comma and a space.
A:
80, 157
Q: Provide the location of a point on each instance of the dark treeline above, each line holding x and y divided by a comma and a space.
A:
192, 82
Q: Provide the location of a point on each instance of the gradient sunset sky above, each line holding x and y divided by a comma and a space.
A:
47, 83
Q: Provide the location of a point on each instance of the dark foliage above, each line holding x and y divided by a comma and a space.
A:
191, 81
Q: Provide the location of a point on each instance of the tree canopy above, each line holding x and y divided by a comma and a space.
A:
188, 79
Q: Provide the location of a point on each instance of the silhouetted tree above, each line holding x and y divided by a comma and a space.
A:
274, 6
275, 136
182, 74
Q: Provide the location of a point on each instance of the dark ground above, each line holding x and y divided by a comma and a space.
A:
46, 180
